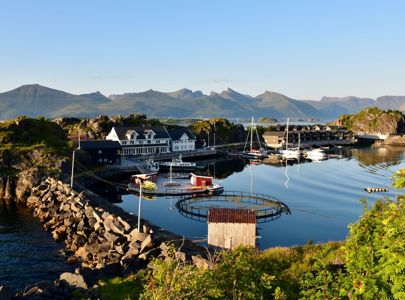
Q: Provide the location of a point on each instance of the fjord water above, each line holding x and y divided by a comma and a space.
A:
27, 252
323, 196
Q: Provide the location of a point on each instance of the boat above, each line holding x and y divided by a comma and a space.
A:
253, 153
197, 185
292, 153
315, 154
178, 164
151, 166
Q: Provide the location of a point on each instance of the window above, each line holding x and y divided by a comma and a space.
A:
100, 160
100, 151
105, 160
158, 141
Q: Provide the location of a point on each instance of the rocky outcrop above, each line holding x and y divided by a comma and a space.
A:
374, 121
96, 235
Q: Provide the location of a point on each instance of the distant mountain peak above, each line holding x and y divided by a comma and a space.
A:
185, 94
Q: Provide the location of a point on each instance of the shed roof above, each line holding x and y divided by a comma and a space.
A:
231, 215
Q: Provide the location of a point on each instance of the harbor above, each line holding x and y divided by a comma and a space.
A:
320, 209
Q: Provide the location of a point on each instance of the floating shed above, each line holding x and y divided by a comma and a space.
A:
228, 227
199, 180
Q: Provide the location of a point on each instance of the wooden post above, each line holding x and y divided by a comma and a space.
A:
73, 168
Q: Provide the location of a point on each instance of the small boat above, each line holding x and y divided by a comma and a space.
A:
151, 166
178, 164
315, 154
375, 190
215, 189
292, 153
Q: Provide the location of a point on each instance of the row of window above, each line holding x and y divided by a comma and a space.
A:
134, 151
183, 141
142, 142
184, 147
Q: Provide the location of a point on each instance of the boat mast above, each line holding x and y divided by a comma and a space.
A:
251, 136
286, 128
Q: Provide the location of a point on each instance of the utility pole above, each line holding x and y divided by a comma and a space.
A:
73, 168
214, 133
73, 161
139, 206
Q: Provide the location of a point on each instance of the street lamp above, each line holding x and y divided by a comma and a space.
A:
141, 181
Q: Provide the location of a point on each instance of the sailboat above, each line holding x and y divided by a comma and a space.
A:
253, 153
293, 153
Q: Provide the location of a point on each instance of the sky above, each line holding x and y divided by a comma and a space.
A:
305, 49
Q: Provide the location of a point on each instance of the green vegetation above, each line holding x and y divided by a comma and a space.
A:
26, 134
370, 264
225, 132
374, 120
27, 143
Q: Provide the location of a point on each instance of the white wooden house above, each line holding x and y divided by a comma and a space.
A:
182, 139
141, 140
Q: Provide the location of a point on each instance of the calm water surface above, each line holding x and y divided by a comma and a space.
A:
27, 252
323, 196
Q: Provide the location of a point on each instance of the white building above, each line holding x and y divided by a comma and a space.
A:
141, 140
182, 139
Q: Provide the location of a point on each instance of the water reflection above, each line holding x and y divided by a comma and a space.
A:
371, 156
323, 197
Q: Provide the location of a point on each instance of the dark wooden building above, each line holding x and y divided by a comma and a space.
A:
102, 151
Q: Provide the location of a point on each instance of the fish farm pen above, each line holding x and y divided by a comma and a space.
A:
267, 208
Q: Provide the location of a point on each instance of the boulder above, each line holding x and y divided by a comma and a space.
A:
115, 227
73, 280
200, 262
135, 236
147, 243
127, 227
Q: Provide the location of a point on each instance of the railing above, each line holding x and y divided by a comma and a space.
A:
200, 213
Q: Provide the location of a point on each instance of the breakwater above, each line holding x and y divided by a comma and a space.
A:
100, 239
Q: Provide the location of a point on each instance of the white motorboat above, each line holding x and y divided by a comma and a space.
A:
316, 154
179, 164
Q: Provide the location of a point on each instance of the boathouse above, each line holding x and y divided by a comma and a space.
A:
103, 152
308, 135
228, 228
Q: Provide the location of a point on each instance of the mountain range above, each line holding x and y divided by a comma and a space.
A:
33, 100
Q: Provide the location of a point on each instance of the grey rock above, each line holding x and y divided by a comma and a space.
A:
73, 280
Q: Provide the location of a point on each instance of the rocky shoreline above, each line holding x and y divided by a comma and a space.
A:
101, 239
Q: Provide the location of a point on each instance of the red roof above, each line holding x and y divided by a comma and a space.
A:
231, 215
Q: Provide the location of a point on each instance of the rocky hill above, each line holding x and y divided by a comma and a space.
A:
33, 100
374, 121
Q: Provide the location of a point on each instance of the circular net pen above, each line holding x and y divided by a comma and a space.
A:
267, 208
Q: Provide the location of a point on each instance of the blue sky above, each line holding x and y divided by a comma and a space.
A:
304, 48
